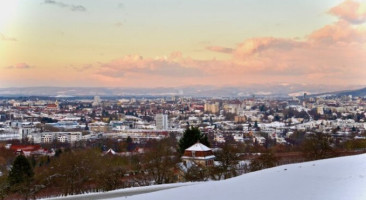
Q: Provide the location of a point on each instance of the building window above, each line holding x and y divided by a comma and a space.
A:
193, 154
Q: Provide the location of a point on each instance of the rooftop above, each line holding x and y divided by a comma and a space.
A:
198, 147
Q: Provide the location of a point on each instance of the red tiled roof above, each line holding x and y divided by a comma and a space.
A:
25, 147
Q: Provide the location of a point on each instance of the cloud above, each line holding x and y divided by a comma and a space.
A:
72, 7
340, 31
220, 49
20, 66
258, 45
351, 11
135, 64
7, 38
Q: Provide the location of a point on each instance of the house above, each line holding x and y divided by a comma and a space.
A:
199, 154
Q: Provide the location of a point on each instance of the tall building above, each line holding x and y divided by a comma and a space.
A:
161, 121
320, 110
212, 108
96, 101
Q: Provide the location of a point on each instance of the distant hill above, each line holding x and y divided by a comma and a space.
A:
358, 93
355, 93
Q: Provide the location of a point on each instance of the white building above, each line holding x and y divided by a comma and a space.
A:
49, 137
161, 121
96, 101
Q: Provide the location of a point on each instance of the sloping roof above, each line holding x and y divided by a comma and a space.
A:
198, 147
110, 151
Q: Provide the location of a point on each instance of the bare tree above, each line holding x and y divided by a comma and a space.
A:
160, 161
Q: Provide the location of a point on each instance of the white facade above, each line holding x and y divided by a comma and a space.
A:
49, 137
161, 121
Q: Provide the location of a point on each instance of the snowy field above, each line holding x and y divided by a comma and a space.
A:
120, 192
332, 179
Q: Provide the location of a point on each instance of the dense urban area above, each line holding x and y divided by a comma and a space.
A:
63, 146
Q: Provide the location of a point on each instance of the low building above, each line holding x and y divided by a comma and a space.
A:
31, 150
199, 154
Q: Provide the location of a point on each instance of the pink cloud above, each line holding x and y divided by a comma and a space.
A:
20, 66
340, 31
258, 45
135, 64
351, 11
220, 49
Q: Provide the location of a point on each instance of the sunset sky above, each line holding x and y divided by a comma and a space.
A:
154, 43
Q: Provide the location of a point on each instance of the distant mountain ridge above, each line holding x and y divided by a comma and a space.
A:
264, 90
355, 93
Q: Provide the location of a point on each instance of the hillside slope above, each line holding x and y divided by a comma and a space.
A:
341, 178
359, 93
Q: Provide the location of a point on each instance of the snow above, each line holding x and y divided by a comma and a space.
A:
331, 179
198, 147
143, 189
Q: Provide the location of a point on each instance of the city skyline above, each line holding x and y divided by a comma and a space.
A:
181, 43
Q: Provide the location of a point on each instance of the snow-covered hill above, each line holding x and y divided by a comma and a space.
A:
341, 178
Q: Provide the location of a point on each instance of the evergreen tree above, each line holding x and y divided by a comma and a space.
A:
255, 124
21, 171
129, 140
190, 137
86, 127
21, 176
354, 129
